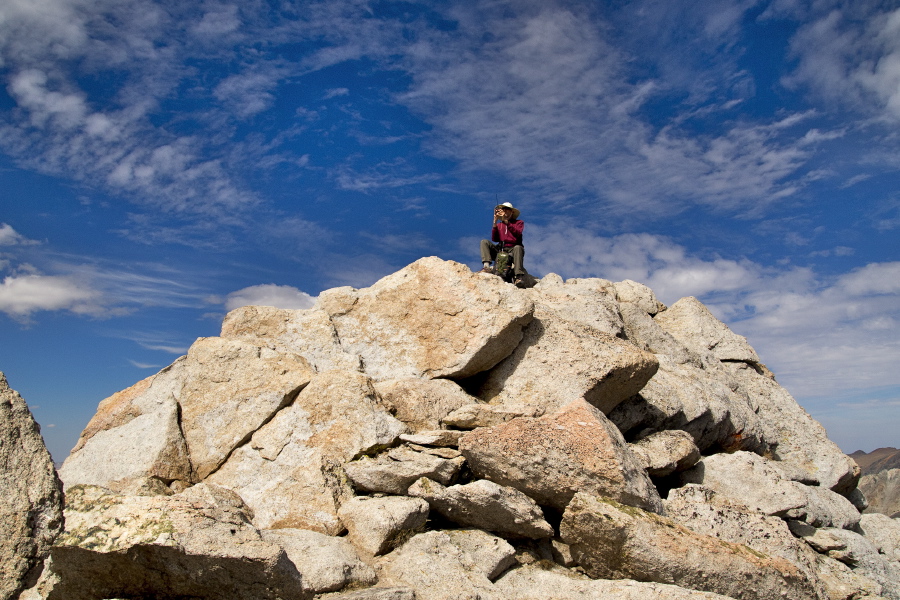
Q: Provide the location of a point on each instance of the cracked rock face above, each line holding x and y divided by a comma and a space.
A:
552, 458
444, 435
290, 471
121, 546
31, 504
431, 319
134, 434
610, 540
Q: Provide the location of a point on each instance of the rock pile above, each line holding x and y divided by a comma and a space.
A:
443, 435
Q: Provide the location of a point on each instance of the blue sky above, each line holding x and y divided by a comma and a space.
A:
163, 162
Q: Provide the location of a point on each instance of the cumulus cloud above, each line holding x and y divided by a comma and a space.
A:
667, 267
22, 295
270, 294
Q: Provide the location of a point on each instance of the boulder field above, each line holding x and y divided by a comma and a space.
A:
443, 435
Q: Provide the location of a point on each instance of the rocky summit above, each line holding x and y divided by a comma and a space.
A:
443, 435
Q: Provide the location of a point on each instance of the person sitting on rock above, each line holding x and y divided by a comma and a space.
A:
507, 233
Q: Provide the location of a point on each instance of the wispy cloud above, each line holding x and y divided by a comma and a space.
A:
551, 102
850, 54
36, 278
142, 365
10, 237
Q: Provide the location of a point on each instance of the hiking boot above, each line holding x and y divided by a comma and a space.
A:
519, 281
489, 270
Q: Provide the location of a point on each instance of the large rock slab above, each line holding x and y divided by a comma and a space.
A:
485, 505
550, 458
535, 583
134, 434
843, 583
863, 557
825, 508
308, 333
144, 546
696, 399
644, 332
799, 440
30, 493
590, 302
232, 387
764, 486
884, 533
439, 568
749, 479
691, 323
422, 404
394, 471
431, 319
489, 415
559, 361
639, 295
290, 471
491, 554
326, 563
613, 541
704, 511
378, 525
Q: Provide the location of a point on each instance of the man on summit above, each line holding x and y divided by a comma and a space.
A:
507, 233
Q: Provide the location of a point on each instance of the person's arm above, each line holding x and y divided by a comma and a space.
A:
516, 228
495, 233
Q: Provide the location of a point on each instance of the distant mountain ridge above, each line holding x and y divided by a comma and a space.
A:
876, 461
880, 481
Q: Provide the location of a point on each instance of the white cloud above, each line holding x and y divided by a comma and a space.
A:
61, 134
879, 278
551, 102
851, 54
87, 286
218, 22
10, 237
656, 261
248, 93
22, 295
279, 296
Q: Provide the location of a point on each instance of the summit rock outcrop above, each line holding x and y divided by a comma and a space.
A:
442, 435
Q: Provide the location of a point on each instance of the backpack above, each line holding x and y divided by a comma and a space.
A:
503, 265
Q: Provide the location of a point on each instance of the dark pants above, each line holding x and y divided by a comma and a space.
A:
489, 253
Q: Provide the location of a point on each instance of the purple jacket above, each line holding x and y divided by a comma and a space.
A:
508, 234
